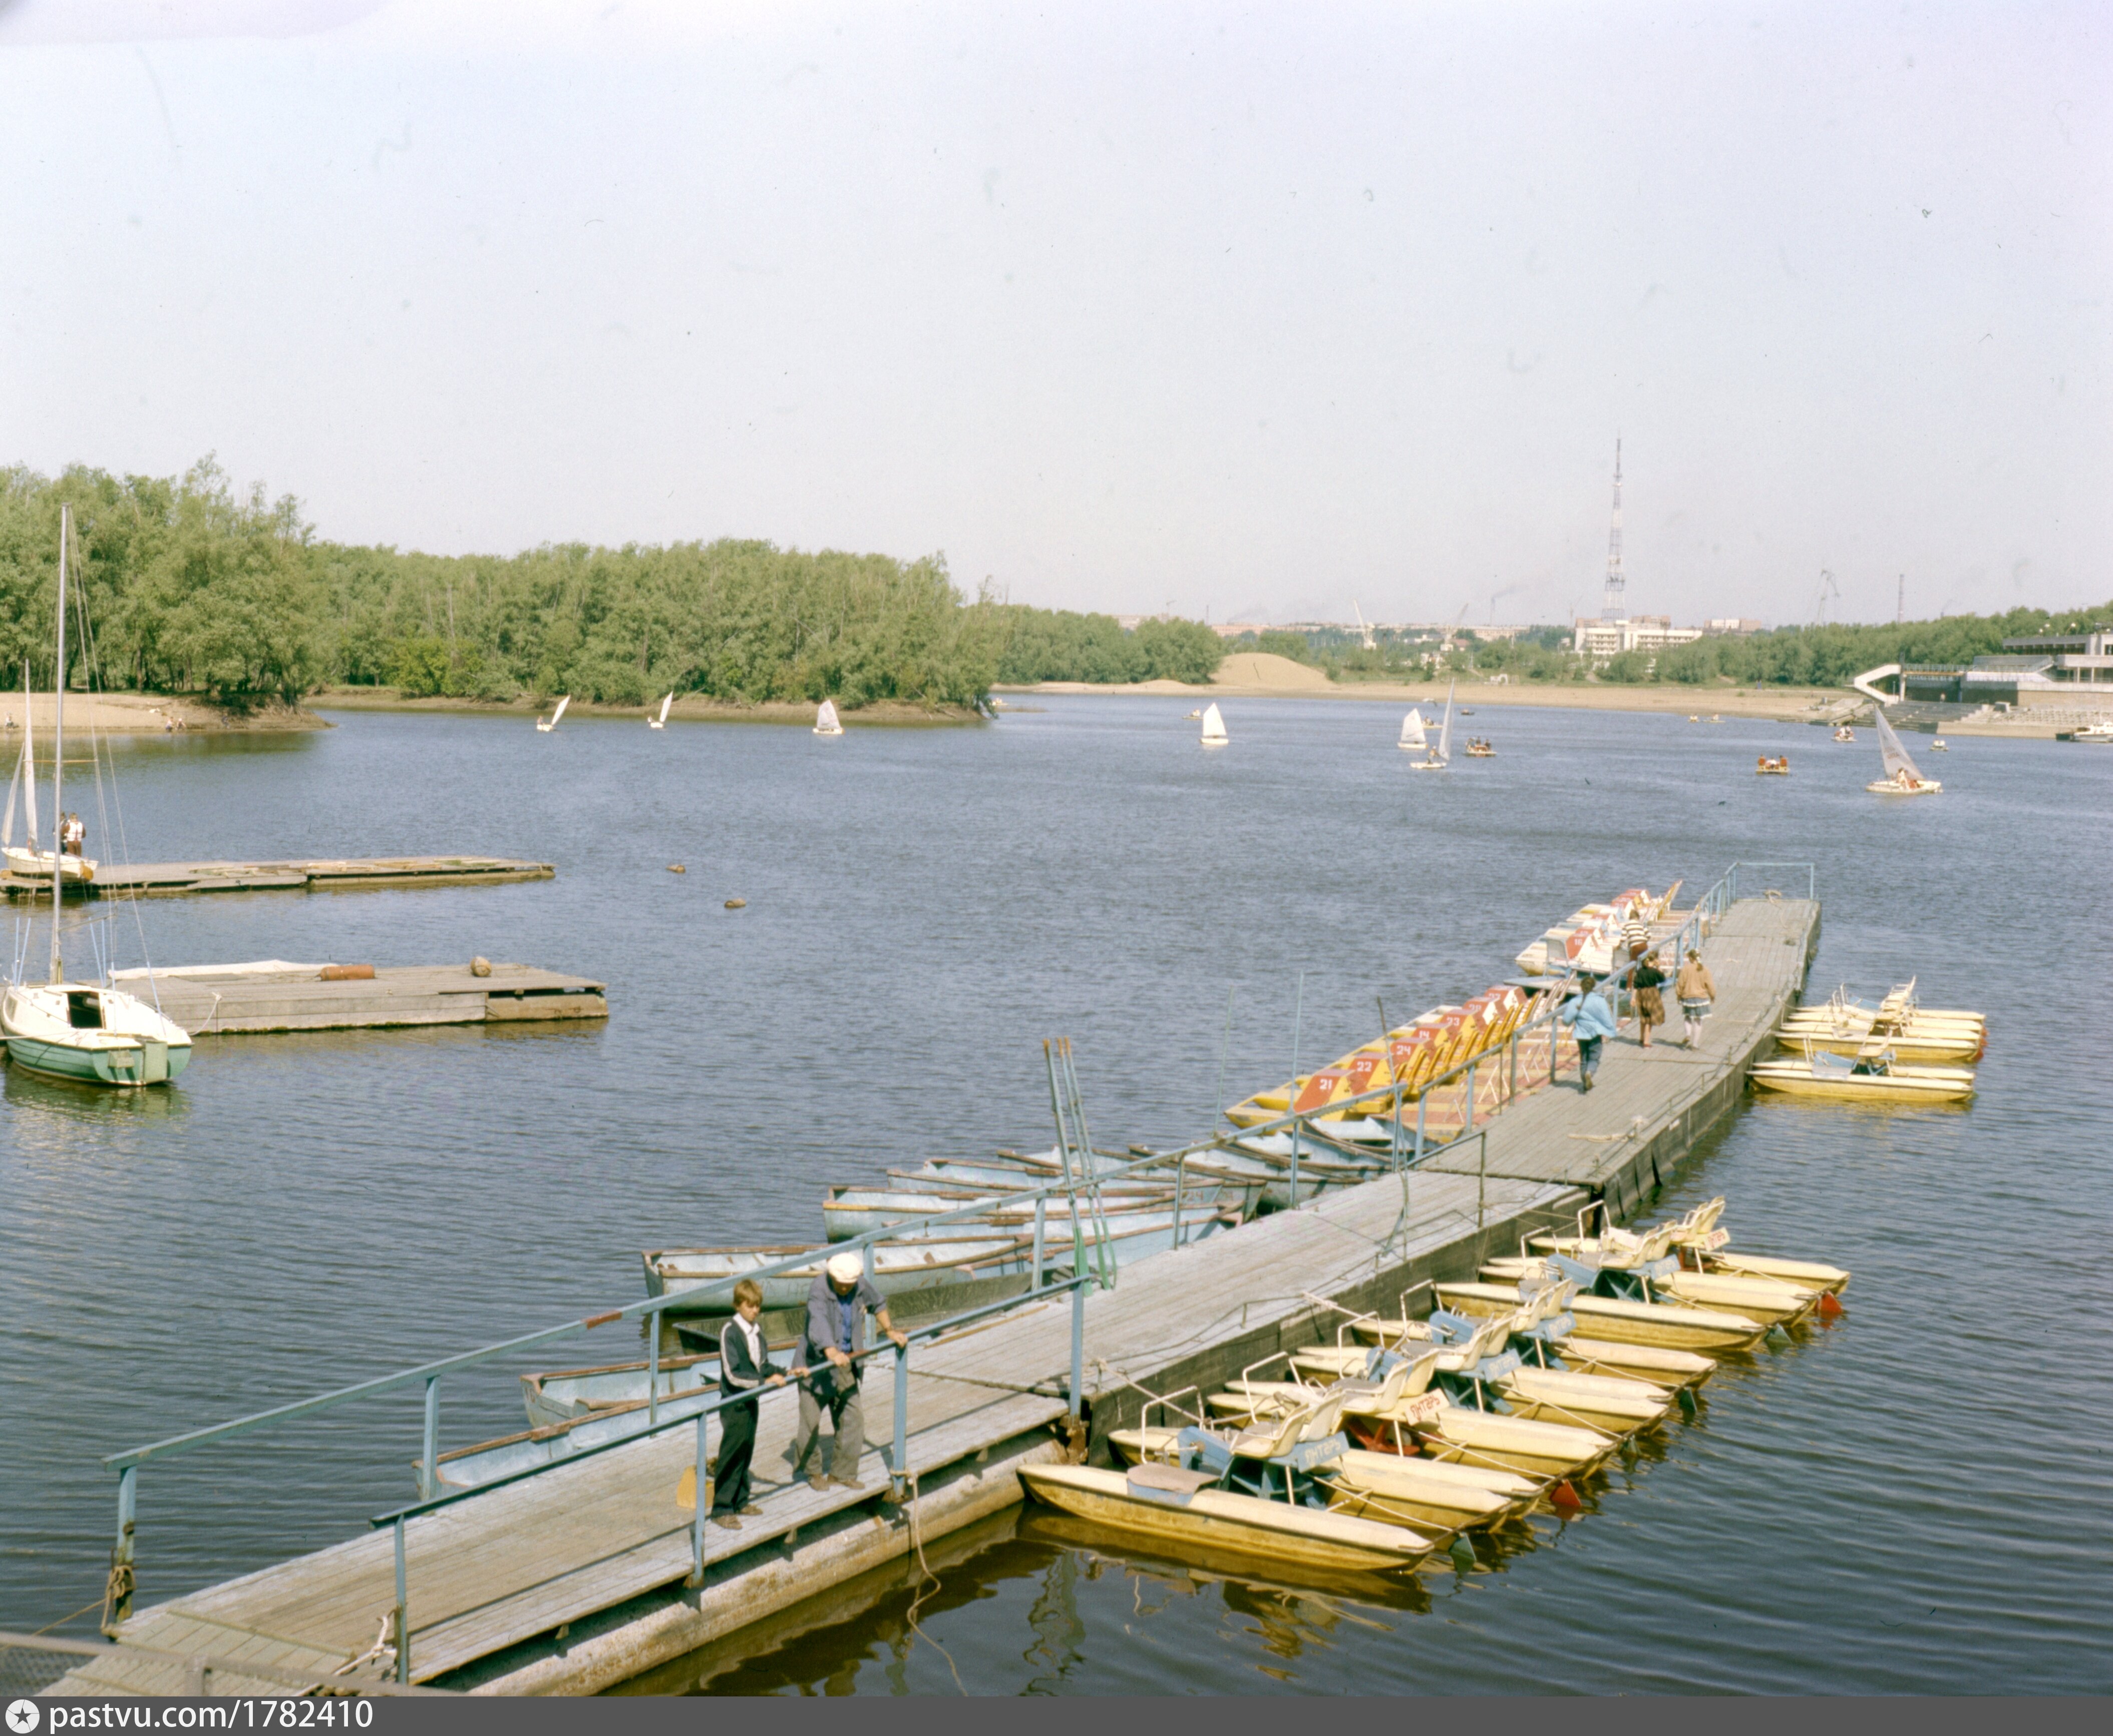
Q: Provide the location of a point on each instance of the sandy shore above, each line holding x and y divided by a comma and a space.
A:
148, 714
893, 713
1262, 675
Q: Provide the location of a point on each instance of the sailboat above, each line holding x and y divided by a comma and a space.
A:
82, 1031
826, 721
25, 860
661, 722
1441, 754
1411, 732
1901, 777
547, 724
1214, 728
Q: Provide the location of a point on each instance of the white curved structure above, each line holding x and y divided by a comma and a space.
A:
1864, 684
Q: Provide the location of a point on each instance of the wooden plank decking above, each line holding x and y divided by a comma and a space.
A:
601, 1547
218, 1002
170, 879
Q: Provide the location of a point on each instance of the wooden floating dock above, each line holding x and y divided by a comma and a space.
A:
219, 1002
174, 879
572, 1580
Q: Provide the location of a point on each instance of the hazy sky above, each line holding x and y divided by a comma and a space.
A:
1259, 309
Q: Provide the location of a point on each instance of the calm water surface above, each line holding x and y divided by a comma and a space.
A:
1912, 1498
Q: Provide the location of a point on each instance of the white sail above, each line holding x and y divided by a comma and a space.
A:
14, 791
1214, 727
28, 762
664, 704
1895, 756
826, 721
560, 711
1411, 730
1445, 730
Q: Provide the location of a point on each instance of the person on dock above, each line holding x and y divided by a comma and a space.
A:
744, 1367
72, 834
1592, 1018
1696, 990
836, 1307
1635, 932
1648, 981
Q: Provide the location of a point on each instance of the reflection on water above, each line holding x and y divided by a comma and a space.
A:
1909, 1499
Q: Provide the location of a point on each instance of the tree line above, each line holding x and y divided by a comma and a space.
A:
191, 585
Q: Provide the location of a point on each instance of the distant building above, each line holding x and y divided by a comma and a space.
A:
1234, 629
1602, 639
2037, 666
1731, 626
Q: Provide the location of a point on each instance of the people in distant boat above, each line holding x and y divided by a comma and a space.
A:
744, 1367
72, 834
1696, 989
1648, 980
837, 1308
1592, 1016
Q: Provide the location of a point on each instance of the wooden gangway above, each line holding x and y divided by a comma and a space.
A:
573, 1579
329, 874
273, 996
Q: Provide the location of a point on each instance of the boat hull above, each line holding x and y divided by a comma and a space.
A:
1796, 1079
129, 1066
1675, 1327
1214, 1519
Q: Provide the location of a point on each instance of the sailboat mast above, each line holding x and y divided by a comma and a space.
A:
58, 753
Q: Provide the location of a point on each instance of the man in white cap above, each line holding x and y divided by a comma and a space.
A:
835, 1333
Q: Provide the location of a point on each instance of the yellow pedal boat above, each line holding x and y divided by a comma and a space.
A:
1809, 1076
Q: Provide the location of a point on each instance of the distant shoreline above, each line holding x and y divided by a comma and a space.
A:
888, 713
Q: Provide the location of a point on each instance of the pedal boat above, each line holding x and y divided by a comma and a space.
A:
1672, 1325
1652, 1363
1772, 1301
1697, 1238
1181, 1506
1611, 1404
1450, 1497
1448, 1433
1870, 1080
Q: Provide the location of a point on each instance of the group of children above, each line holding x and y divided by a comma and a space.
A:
1591, 1014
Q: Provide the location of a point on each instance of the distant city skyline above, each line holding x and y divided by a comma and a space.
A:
1262, 314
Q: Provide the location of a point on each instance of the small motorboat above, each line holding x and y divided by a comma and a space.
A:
1214, 728
826, 721
1193, 717
1869, 1078
1844, 733
547, 724
1778, 766
661, 722
1478, 747
1938, 744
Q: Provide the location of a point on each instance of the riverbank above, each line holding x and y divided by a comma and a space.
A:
152, 714
1262, 675
892, 713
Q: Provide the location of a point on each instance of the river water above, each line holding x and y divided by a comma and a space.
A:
1912, 1498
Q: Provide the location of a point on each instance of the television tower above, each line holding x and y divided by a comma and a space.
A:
1614, 608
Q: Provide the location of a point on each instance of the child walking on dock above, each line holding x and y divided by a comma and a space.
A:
1648, 981
744, 1367
1696, 990
1592, 1018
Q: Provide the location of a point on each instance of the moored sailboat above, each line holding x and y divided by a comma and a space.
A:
84, 1032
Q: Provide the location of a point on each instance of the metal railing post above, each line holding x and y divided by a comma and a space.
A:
703, 1512
1467, 1125
1291, 1095
429, 1456
1422, 1102
898, 1470
1078, 1343
402, 1611
120, 1551
1180, 1180
1041, 1211
652, 1370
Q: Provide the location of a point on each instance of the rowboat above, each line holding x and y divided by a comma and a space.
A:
1873, 1079
1183, 1507
895, 1268
564, 1394
850, 1212
473, 1467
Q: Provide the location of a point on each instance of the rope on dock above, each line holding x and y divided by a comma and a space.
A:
924, 1568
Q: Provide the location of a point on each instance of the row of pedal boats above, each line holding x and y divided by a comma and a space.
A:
1897, 1052
1526, 1377
1371, 1454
